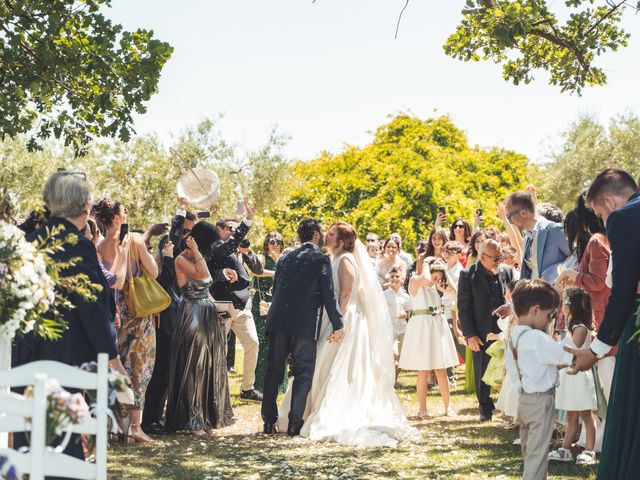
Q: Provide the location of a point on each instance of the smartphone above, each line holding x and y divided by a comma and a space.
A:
240, 208
124, 229
204, 214
442, 210
478, 212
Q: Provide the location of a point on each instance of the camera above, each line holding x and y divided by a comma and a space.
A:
245, 243
442, 210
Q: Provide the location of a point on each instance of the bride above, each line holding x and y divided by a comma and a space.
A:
352, 399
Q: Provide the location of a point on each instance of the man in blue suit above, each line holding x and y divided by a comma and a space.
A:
545, 244
302, 289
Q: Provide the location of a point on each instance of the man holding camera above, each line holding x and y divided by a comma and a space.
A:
231, 282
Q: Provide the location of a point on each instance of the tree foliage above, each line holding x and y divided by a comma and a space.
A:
526, 35
67, 71
398, 181
589, 147
143, 173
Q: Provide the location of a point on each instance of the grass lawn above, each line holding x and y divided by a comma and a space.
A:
457, 448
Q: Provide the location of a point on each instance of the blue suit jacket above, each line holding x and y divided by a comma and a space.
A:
553, 249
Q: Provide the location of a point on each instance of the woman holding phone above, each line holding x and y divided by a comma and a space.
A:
199, 399
136, 336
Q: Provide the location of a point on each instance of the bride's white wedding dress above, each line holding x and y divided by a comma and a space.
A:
352, 399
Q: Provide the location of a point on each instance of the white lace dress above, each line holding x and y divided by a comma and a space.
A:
352, 399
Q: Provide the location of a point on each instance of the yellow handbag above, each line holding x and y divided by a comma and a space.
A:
144, 295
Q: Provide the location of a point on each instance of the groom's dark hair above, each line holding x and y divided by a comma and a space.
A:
306, 229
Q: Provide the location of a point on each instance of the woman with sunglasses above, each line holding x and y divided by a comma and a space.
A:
461, 232
273, 247
136, 336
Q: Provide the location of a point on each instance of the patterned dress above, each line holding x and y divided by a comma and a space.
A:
262, 287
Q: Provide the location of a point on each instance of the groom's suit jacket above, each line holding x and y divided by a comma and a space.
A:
302, 286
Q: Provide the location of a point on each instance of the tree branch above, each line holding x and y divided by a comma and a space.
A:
400, 18
605, 16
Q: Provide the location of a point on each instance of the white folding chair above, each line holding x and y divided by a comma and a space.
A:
60, 464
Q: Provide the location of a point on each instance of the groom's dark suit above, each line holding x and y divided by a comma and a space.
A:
302, 286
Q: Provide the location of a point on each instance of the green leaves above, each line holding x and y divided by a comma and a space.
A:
525, 36
67, 71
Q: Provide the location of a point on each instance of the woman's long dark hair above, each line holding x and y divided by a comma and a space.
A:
580, 312
472, 242
467, 230
580, 225
442, 233
205, 235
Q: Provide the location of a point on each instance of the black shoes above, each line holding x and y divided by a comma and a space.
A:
156, 428
294, 429
269, 428
253, 395
485, 418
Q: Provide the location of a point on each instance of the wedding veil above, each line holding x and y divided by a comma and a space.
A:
376, 312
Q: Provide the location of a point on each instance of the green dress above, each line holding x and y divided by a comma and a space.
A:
262, 291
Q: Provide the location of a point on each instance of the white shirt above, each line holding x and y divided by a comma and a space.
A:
406, 258
538, 358
397, 302
448, 299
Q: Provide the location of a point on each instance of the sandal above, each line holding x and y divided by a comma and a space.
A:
587, 457
423, 416
561, 455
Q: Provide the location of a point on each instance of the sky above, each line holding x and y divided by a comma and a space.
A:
328, 73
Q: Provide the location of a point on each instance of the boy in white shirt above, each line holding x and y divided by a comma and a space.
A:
399, 304
535, 362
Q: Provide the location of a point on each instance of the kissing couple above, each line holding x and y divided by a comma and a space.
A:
329, 314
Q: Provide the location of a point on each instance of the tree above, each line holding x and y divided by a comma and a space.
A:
69, 72
589, 148
398, 181
525, 35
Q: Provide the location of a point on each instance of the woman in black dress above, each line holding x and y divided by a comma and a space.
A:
199, 398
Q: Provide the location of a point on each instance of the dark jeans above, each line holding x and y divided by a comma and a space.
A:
483, 391
303, 352
158, 388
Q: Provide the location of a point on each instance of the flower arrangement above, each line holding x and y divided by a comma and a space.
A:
33, 287
63, 409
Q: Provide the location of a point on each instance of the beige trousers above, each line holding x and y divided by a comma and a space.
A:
244, 327
536, 412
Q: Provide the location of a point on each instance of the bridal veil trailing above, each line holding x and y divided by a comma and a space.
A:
352, 399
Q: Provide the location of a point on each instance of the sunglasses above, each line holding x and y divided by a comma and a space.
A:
495, 259
371, 240
274, 242
459, 225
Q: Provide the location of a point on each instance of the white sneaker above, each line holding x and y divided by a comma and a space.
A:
587, 457
561, 455
450, 412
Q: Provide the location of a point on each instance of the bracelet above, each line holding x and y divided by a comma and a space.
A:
198, 259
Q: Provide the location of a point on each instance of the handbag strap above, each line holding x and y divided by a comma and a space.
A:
133, 253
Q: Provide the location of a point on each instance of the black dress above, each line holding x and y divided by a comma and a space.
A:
198, 383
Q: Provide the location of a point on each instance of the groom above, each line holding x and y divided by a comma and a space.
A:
302, 286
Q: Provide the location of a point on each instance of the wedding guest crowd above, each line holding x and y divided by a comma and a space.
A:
575, 275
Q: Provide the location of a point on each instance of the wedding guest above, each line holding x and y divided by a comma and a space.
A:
437, 239
390, 260
481, 290
545, 245
511, 259
181, 226
373, 250
68, 196
273, 247
235, 288
404, 256
591, 246
452, 253
550, 212
421, 249
428, 344
461, 233
198, 399
136, 336
158, 388
614, 196
476, 240
399, 304
576, 394
535, 360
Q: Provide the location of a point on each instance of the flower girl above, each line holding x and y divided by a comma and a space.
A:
428, 344
577, 393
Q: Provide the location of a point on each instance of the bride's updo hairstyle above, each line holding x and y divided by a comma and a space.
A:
347, 234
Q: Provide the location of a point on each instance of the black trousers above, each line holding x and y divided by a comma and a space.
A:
158, 388
483, 391
303, 353
231, 350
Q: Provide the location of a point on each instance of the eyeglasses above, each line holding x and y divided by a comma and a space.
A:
495, 259
459, 225
371, 240
229, 227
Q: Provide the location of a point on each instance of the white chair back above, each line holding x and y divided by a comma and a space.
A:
55, 464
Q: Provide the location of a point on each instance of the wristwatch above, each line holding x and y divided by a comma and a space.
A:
599, 356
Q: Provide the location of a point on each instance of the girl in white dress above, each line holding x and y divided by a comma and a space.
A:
577, 393
428, 344
352, 399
